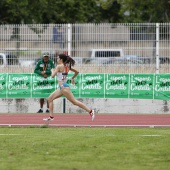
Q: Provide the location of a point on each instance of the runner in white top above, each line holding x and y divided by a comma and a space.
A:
65, 64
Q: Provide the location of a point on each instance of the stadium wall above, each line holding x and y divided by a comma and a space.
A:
108, 106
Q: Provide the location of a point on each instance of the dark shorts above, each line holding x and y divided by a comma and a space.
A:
63, 85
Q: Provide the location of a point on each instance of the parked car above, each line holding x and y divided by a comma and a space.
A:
123, 61
117, 59
149, 60
102, 55
8, 59
164, 60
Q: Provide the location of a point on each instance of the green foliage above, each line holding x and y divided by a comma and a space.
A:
69, 11
48, 11
83, 11
109, 11
145, 11
84, 148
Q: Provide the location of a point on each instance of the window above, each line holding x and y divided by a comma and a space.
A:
12, 59
107, 54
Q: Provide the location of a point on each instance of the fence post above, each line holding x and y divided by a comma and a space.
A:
69, 53
157, 48
69, 39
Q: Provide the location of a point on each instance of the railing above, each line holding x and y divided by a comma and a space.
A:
145, 47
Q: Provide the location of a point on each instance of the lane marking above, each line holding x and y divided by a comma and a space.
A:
124, 135
10, 134
89, 135
49, 124
150, 135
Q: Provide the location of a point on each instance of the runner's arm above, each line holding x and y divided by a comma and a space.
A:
75, 72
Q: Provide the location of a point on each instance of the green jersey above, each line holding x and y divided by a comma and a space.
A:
42, 66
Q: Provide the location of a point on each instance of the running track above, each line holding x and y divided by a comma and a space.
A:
84, 120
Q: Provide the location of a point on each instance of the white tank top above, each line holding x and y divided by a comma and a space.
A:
62, 76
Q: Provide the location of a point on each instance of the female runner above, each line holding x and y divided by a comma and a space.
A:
65, 64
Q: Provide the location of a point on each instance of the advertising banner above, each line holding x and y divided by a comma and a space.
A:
18, 85
92, 86
162, 86
116, 85
3, 85
141, 86
42, 87
134, 86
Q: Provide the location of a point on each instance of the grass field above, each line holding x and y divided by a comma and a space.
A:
84, 148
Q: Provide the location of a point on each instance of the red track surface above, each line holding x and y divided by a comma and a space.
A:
84, 120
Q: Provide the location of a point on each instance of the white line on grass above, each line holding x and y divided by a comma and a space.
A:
150, 135
10, 134
125, 135
93, 135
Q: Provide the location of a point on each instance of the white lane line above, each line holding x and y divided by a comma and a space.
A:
125, 135
82, 125
10, 134
90, 135
150, 135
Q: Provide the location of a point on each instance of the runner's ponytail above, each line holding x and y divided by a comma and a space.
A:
67, 60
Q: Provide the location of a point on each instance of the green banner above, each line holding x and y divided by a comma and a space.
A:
92, 86
116, 85
42, 87
3, 84
162, 86
141, 86
18, 86
134, 86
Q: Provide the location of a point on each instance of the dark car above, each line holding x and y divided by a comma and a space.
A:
12, 59
8, 59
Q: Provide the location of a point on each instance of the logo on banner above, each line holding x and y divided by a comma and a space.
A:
18, 83
141, 83
117, 83
92, 82
162, 84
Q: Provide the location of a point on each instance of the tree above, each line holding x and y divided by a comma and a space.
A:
48, 11
71, 11
21, 12
145, 11
110, 11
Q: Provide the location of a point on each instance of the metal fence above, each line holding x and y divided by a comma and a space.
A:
97, 48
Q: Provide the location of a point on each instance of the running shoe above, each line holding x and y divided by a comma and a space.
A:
92, 115
49, 118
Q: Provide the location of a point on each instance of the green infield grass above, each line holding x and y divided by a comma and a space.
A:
84, 148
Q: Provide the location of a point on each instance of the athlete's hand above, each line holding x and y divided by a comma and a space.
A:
42, 73
45, 75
